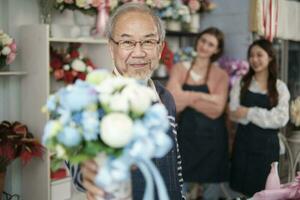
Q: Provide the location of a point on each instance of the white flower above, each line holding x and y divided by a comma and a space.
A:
59, 1
119, 103
116, 130
6, 40
6, 50
66, 67
295, 111
140, 97
78, 65
60, 151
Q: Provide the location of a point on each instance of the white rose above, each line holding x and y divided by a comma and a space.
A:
60, 151
116, 130
78, 65
140, 98
6, 50
66, 67
7, 40
119, 103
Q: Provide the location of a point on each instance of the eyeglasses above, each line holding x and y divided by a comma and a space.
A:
131, 44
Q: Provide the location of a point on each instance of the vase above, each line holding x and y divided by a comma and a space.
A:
294, 142
173, 25
2, 182
116, 190
195, 23
273, 181
85, 22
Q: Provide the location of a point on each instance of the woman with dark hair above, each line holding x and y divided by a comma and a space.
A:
200, 90
259, 103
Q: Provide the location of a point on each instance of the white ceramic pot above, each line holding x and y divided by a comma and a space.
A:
294, 142
173, 25
195, 22
84, 22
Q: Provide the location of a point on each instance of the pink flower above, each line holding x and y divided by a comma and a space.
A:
194, 5
13, 46
96, 3
10, 58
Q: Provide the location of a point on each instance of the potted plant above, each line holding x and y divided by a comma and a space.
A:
8, 49
85, 12
16, 142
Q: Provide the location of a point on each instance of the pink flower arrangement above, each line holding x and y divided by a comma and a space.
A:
86, 6
199, 5
8, 49
235, 68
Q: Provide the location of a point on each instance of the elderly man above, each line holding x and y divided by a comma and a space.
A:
136, 38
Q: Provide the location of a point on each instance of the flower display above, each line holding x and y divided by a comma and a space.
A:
185, 54
295, 112
8, 49
234, 68
167, 57
86, 6
16, 141
107, 115
176, 11
200, 5
70, 65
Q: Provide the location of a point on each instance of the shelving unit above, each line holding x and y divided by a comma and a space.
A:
12, 73
35, 89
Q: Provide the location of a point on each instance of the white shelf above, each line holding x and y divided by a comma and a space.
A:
12, 73
80, 40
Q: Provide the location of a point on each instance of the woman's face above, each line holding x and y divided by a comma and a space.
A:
207, 46
259, 59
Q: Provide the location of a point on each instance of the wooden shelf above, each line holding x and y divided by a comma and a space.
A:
80, 40
12, 73
181, 34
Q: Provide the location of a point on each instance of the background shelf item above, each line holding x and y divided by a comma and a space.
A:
12, 73
79, 40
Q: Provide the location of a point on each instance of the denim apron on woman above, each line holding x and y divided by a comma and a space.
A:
254, 150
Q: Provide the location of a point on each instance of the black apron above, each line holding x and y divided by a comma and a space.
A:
203, 144
254, 150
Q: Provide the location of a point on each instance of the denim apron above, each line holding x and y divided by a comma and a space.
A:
167, 165
254, 150
203, 144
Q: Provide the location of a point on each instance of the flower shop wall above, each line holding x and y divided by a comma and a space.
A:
14, 13
232, 17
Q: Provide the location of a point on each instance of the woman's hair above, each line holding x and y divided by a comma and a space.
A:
272, 69
220, 38
137, 7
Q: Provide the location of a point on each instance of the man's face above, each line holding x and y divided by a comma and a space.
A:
141, 60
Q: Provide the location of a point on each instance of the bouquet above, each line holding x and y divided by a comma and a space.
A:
234, 68
8, 49
70, 65
86, 6
295, 112
16, 141
185, 54
114, 120
200, 5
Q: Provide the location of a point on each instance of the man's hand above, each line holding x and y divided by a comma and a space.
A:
239, 113
89, 171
